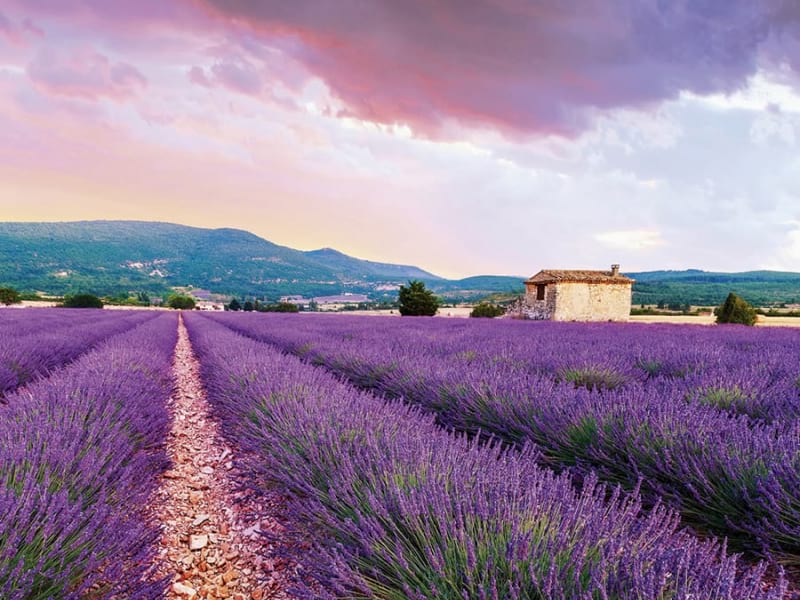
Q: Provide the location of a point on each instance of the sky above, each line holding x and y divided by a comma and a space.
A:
462, 136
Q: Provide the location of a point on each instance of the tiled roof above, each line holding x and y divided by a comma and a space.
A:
577, 276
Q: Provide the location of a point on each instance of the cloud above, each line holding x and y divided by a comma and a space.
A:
240, 76
9, 31
772, 125
6, 28
515, 65
634, 239
84, 73
198, 76
762, 91
788, 254
125, 15
442, 137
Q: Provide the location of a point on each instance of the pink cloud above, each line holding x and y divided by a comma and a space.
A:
84, 73
9, 31
198, 76
144, 28
124, 76
5, 24
239, 77
519, 66
126, 15
32, 28
512, 64
154, 116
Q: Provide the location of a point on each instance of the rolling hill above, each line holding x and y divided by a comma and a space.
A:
707, 288
110, 257
117, 257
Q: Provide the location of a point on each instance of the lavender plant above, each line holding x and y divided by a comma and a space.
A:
48, 338
408, 510
669, 430
80, 453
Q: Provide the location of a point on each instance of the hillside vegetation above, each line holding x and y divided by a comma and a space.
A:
107, 258
760, 288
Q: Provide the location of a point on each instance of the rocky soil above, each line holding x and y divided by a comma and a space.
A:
212, 544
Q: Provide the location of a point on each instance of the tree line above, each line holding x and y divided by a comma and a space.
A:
414, 299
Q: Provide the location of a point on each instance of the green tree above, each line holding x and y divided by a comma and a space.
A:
181, 302
234, 305
735, 310
487, 310
249, 306
82, 301
9, 296
416, 300
284, 307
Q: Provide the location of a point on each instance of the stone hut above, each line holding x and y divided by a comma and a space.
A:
570, 295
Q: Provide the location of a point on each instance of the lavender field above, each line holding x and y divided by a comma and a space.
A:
80, 455
30, 347
701, 419
417, 458
700, 422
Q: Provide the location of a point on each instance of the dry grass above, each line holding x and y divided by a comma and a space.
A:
709, 320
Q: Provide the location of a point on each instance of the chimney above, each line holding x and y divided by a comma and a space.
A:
614, 270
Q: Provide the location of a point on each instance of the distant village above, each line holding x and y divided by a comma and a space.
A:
319, 303
550, 294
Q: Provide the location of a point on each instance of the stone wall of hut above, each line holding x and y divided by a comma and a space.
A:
578, 302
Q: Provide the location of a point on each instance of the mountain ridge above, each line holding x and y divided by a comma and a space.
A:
113, 257
108, 257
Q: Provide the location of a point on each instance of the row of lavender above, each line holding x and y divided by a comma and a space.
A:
745, 371
80, 453
724, 473
35, 341
410, 511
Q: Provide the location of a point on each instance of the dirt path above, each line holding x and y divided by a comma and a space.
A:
211, 546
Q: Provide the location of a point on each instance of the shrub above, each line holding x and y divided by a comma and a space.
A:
283, 307
726, 398
592, 378
181, 302
82, 301
735, 310
9, 296
486, 310
416, 300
